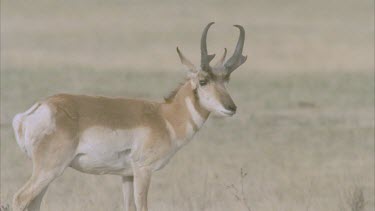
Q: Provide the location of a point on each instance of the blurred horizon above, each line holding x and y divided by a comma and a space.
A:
142, 36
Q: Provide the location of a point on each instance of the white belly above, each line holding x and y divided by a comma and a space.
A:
107, 151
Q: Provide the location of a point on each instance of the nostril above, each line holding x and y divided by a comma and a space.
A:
232, 108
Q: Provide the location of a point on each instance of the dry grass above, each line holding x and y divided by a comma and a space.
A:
353, 199
5, 207
295, 157
356, 200
239, 192
305, 125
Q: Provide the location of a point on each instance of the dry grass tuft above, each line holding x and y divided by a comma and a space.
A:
238, 192
355, 199
4, 207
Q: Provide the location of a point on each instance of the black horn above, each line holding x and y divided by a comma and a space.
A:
237, 58
205, 58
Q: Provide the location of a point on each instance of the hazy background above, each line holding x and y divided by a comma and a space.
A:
304, 131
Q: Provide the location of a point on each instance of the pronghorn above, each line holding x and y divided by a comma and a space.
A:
126, 137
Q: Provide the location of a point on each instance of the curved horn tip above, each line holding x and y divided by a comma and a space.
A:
239, 26
209, 25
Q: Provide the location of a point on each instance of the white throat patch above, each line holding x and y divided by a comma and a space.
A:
196, 117
172, 132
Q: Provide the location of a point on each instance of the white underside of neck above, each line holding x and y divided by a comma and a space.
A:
195, 116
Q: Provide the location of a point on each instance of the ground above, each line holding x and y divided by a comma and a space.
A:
304, 130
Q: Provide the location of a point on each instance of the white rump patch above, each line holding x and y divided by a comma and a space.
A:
197, 118
37, 125
17, 123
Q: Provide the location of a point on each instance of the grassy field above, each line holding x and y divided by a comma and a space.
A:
304, 131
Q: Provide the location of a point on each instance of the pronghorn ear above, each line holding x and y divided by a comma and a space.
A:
191, 67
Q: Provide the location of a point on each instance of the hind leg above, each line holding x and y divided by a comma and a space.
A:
29, 197
35, 204
50, 157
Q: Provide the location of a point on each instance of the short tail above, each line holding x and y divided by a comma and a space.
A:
18, 126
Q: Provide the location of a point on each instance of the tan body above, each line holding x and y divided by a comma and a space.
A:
109, 135
126, 137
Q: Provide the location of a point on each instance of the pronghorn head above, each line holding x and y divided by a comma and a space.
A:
209, 82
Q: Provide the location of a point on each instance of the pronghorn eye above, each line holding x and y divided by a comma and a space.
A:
202, 82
